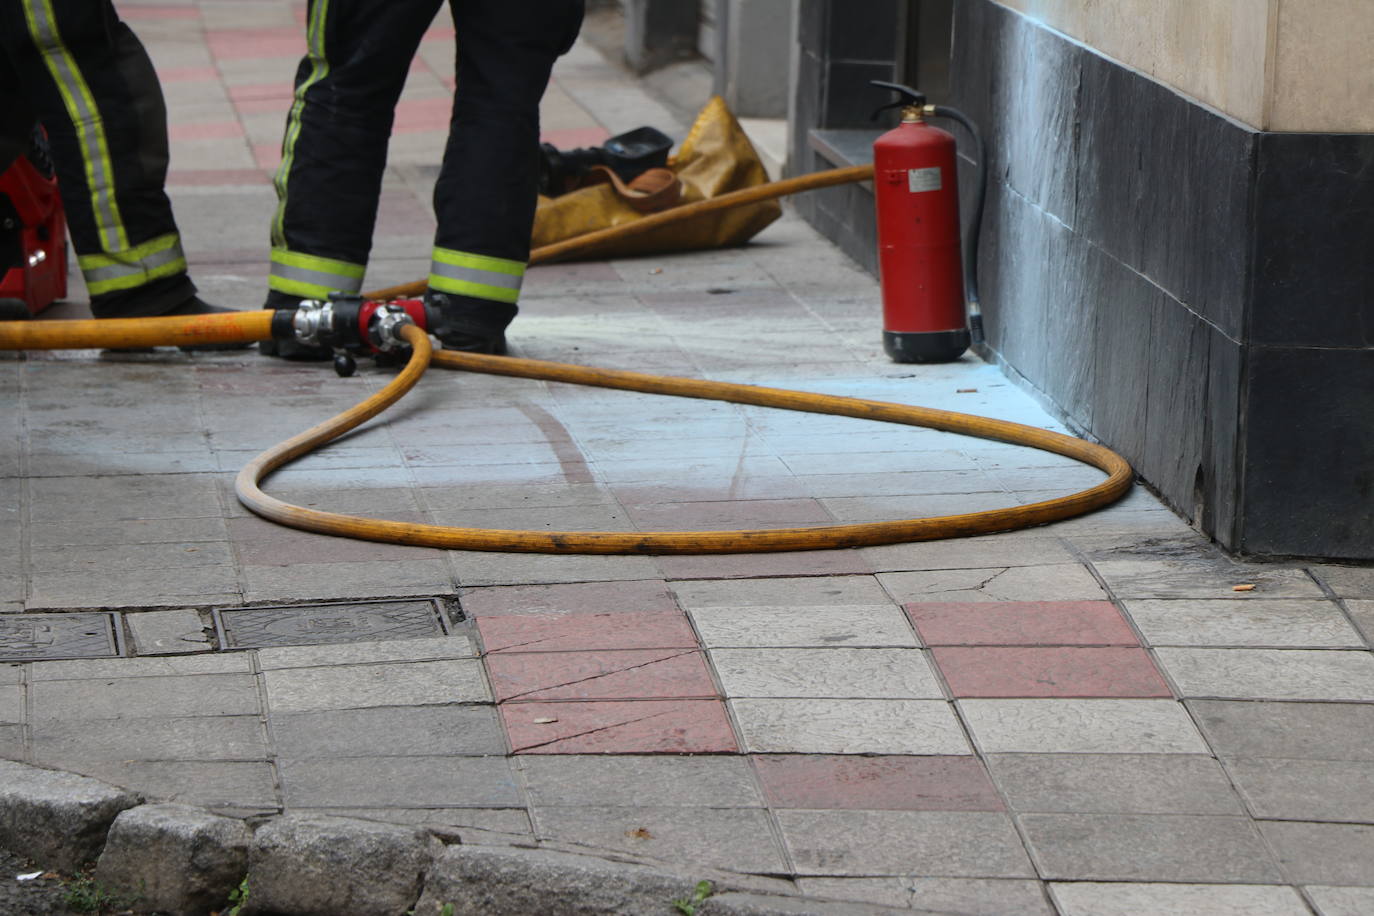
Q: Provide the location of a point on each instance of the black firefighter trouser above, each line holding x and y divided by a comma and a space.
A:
334, 150
76, 68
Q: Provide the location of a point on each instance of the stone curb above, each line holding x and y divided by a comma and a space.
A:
180, 859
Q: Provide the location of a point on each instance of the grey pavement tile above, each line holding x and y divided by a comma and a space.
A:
1306, 790
1347, 581
781, 563
843, 726
1075, 726
11, 705
664, 781
1363, 614
360, 653
1203, 577
966, 896
374, 579
1291, 622
737, 839
147, 496
1303, 731
356, 686
399, 782
129, 531
827, 672
1115, 898
1341, 901
989, 552
474, 568
168, 632
1277, 674
392, 731
145, 697
1148, 847
169, 666
12, 673
58, 743
872, 625
954, 844
822, 591
12, 742
1313, 853
135, 587
1056, 582
228, 786
1114, 784
98, 559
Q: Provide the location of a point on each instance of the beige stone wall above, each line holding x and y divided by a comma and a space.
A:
1293, 65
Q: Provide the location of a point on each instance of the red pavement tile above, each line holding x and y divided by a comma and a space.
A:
188, 74
202, 177
265, 106
620, 675
571, 632
205, 130
423, 114
573, 137
1061, 671
267, 155
877, 783
1021, 623
135, 12
255, 92
242, 44
619, 727
630, 596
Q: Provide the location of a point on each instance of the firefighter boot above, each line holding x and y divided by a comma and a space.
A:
467, 323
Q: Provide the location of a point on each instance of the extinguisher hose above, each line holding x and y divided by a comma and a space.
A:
975, 314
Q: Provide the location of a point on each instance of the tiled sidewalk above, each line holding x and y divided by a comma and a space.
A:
1085, 718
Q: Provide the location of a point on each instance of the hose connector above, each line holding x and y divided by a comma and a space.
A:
384, 327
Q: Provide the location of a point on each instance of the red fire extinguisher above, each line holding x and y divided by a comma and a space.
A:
929, 296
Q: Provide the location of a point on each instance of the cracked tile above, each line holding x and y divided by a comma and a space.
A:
619, 675
1059, 582
619, 727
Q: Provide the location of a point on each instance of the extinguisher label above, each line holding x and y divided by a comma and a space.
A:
923, 179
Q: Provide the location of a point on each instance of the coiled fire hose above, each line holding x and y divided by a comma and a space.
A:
261, 325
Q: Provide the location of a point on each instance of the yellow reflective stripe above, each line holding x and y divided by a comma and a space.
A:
132, 255
311, 276
170, 269
477, 275
153, 260
85, 118
479, 262
314, 37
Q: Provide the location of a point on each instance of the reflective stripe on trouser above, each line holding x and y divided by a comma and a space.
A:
85, 117
476, 275
312, 277
138, 266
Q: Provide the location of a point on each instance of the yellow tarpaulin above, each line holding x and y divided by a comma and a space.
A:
715, 158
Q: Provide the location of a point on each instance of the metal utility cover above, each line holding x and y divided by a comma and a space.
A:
46, 636
317, 624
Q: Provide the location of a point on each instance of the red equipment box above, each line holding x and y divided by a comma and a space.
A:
33, 233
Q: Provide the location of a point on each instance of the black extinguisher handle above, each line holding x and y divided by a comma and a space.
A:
975, 221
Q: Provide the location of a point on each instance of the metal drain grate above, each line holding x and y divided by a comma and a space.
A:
317, 624
24, 637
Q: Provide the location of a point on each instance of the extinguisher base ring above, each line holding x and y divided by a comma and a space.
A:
925, 346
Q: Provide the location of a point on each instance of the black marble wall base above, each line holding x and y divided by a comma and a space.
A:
1194, 293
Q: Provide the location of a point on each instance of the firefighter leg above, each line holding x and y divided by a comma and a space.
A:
92, 85
485, 196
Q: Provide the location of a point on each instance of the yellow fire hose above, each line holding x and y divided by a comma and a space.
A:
253, 326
